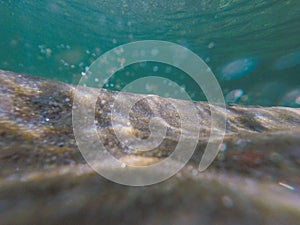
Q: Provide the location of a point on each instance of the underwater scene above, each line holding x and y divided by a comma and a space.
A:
252, 47
95, 127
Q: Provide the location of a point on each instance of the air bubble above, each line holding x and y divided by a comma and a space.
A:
234, 96
155, 68
211, 45
238, 68
291, 99
288, 61
154, 52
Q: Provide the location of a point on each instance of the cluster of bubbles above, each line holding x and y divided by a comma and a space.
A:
73, 61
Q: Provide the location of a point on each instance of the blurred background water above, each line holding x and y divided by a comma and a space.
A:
253, 47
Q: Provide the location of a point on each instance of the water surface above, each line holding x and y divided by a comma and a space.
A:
253, 47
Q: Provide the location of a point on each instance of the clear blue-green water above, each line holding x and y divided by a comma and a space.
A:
253, 47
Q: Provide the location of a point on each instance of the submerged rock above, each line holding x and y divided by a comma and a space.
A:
43, 177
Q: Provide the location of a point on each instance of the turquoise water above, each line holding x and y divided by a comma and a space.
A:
253, 47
